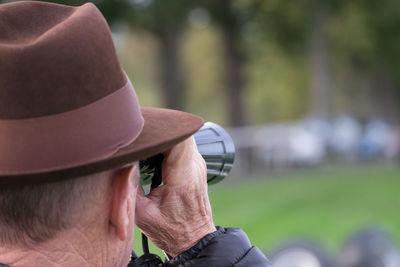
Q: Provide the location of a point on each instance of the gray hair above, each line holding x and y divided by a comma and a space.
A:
37, 212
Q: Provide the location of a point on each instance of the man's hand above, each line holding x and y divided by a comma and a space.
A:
176, 215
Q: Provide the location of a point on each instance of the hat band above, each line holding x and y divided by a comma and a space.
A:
71, 138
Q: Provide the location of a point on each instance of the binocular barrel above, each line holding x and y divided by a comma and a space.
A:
216, 147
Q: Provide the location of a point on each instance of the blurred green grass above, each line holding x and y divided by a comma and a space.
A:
325, 205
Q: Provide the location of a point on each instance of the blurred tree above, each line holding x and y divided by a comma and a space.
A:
351, 44
298, 27
320, 62
166, 19
384, 18
232, 17
364, 41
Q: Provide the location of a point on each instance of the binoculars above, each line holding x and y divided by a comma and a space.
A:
214, 144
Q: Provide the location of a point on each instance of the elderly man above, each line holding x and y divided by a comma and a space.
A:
71, 134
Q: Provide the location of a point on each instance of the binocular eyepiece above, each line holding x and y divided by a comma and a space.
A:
214, 144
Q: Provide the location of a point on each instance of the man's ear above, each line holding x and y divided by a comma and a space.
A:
123, 201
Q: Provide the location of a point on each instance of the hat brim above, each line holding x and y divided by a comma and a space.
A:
163, 128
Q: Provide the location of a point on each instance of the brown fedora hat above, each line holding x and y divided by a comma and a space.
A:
67, 109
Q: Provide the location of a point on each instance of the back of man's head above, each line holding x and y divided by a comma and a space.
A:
34, 213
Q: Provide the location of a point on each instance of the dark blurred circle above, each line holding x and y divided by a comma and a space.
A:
301, 254
370, 248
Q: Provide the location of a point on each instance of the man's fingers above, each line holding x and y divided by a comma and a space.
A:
178, 162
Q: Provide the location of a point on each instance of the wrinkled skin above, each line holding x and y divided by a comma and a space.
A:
176, 215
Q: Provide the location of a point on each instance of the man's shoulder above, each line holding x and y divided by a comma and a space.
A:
225, 247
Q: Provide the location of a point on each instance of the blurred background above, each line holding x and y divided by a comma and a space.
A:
309, 91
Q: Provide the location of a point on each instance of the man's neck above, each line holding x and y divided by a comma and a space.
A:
71, 248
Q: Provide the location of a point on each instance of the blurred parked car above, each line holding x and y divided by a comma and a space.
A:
345, 136
289, 145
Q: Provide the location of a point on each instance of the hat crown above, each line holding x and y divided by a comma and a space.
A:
54, 58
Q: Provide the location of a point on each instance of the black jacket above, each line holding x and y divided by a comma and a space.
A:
225, 247
222, 248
